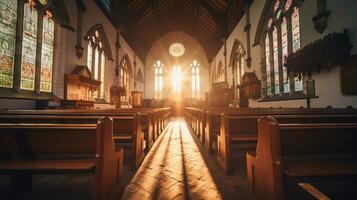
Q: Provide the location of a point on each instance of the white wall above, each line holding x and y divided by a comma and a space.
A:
327, 83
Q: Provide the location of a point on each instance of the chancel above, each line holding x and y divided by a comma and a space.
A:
178, 99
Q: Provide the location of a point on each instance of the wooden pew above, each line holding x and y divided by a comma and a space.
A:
295, 152
213, 115
27, 149
239, 132
127, 126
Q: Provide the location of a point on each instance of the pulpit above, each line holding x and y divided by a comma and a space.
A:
80, 89
115, 93
137, 98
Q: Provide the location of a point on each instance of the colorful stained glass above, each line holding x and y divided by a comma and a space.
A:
267, 63
102, 75
295, 21
90, 56
276, 61
276, 5
284, 43
288, 4
296, 42
47, 54
270, 22
29, 47
278, 14
8, 20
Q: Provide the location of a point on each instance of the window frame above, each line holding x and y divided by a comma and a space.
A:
159, 80
97, 41
195, 80
274, 20
16, 91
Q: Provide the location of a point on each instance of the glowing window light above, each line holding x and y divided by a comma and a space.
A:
159, 81
195, 79
177, 77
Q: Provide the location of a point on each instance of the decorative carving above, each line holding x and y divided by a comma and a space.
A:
332, 50
115, 93
81, 9
250, 86
79, 88
320, 21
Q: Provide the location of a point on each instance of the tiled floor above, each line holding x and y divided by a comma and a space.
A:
178, 168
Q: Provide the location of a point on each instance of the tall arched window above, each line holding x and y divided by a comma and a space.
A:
220, 76
267, 64
282, 38
159, 80
34, 69
97, 52
140, 80
195, 80
125, 73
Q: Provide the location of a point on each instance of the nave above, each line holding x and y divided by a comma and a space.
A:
177, 167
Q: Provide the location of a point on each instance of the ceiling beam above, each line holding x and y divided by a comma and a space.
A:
219, 18
196, 8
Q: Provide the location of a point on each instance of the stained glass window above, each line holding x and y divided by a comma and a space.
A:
8, 20
276, 61
290, 37
125, 80
158, 79
47, 53
296, 42
102, 75
267, 63
195, 80
296, 29
284, 43
29, 47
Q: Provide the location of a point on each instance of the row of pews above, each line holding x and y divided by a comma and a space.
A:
290, 152
77, 141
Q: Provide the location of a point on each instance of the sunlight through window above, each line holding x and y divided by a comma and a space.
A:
177, 77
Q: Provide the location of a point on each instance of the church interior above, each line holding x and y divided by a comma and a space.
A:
178, 99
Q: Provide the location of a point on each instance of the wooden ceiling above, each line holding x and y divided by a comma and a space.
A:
208, 21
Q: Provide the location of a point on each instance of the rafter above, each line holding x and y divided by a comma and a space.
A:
219, 18
196, 11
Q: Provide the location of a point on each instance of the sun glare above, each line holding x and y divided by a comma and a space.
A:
177, 77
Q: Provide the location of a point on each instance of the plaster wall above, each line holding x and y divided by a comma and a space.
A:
327, 83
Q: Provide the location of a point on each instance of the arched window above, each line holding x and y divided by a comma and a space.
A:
267, 64
195, 80
125, 74
34, 69
159, 80
282, 38
97, 52
140, 80
237, 61
220, 73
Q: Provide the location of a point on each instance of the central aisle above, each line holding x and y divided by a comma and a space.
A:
173, 169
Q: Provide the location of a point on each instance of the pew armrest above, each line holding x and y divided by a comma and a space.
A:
250, 170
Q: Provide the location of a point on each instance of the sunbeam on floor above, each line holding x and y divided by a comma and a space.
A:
173, 169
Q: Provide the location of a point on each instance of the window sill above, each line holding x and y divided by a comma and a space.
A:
10, 93
285, 97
